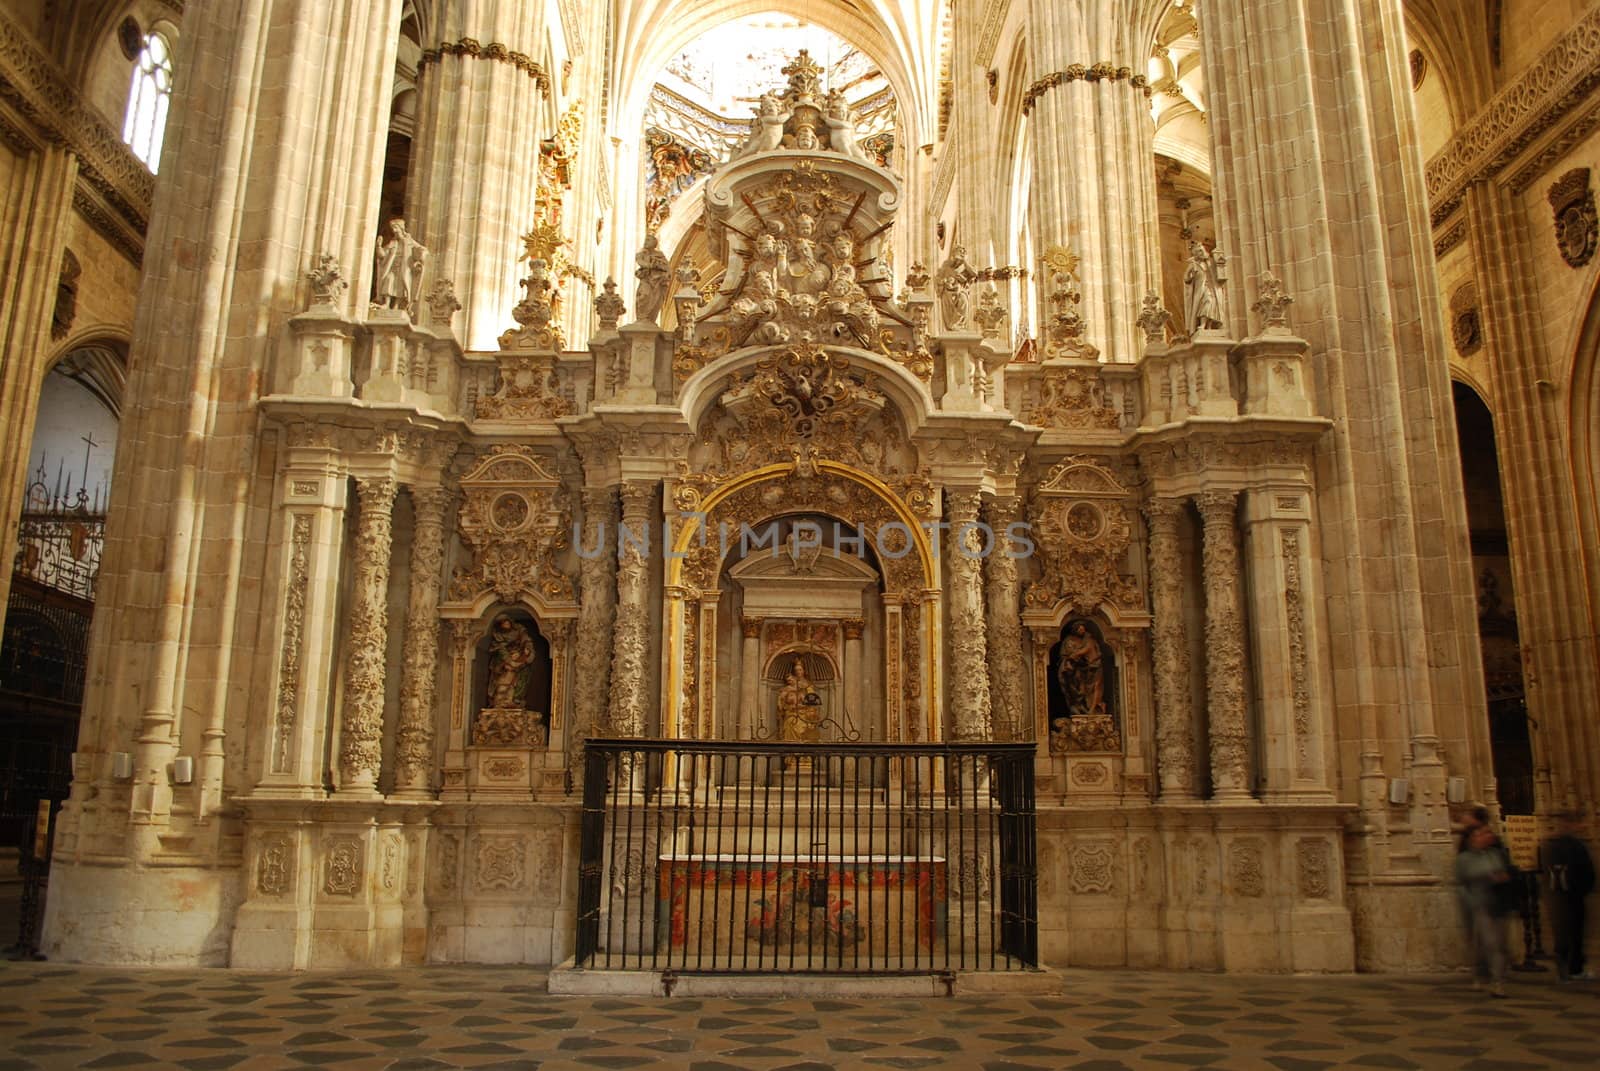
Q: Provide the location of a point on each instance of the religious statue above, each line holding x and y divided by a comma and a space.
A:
955, 285
1081, 673
1202, 290
400, 260
799, 706
653, 276
841, 125
511, 655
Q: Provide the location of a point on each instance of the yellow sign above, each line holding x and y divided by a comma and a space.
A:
1522, 840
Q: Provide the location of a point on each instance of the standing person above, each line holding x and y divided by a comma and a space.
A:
1570, 871
1481, 871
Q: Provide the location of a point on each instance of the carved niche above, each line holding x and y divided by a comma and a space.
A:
514, 520
1082, 528
1577, 228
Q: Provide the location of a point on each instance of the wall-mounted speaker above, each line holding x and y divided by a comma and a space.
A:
1399, 790
1455, 790
121, 765
182, 770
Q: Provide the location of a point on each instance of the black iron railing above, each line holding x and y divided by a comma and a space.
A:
722, 857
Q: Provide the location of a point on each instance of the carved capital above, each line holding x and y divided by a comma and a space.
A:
853, 627
750, 627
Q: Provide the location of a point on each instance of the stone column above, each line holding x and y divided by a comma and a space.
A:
749, 676
969, 669
413, 750
1225, 668
42, 182
852, 628
1170, 642
361, 728
1007, 684
597, 564
475, 155
1093, 139
633, 578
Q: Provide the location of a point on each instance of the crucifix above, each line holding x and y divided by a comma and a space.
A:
89, 446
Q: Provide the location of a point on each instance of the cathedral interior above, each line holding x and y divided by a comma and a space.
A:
882, 485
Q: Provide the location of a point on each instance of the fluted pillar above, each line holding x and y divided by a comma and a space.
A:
1229, 732
413, 752
1093, 142
749, 676
475, 155
969, 668
1009, 667
633, 577
1170, 642
853, 627
361, 728
597, 566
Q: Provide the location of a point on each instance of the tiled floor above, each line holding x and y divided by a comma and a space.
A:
410, 1020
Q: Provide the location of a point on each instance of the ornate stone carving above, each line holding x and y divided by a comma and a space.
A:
343, 867
629, 650
1314, 868
1081, 524
1225, 668
1170, 643
1072, 398
420, 652
1466, 320
1577, 228
470, 48
1095, 732
508, 727
1064, 329
968, 639
390, 870
954, 280
1004, 621
527, 390
513, 520
991, 315
608, 306
1246, 867
361, 731
504, 769
449, 860
1092, 868
1273, 304
1203, 295
597, 574
275, 865
1142, 879
501, 863
399, 263
653, 276
442, 302
1299, 657
1155, 320
328, 283
1078, 72
294, 617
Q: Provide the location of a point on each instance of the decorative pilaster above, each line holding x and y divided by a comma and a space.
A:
361, 730
413, 751
1170, 640
628, 653
1010, 671
1230, 756
853, 627
969, 668
597, 565
750, 676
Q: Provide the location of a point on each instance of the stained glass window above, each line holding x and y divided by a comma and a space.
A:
148, 99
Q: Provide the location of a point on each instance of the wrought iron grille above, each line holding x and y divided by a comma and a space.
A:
727, 857
60, 548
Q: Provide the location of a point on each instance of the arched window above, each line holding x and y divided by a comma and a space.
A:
148, 98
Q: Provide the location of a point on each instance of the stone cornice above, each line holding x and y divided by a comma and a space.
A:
1551, 89
1099, 72
469, 47
35, 87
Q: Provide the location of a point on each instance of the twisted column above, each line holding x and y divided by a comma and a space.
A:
413, 751
361, 731
597, 575
1230, 765
1005, 626
969, 668
1174, 709
628, 652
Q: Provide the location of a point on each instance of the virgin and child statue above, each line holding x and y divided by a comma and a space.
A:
799, 706
511, 655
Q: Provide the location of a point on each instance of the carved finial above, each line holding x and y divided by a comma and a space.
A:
687, 301
608, 305
1064, 330
1273, 305
1155, 319
328, 283
442, 303
990, 314
918, 276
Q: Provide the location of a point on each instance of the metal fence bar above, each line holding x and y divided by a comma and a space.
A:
688, 862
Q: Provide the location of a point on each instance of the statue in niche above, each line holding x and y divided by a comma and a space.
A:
400, 261
653, 275
955, 288
799, 706
1202, 289
511, 655
1080, 671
